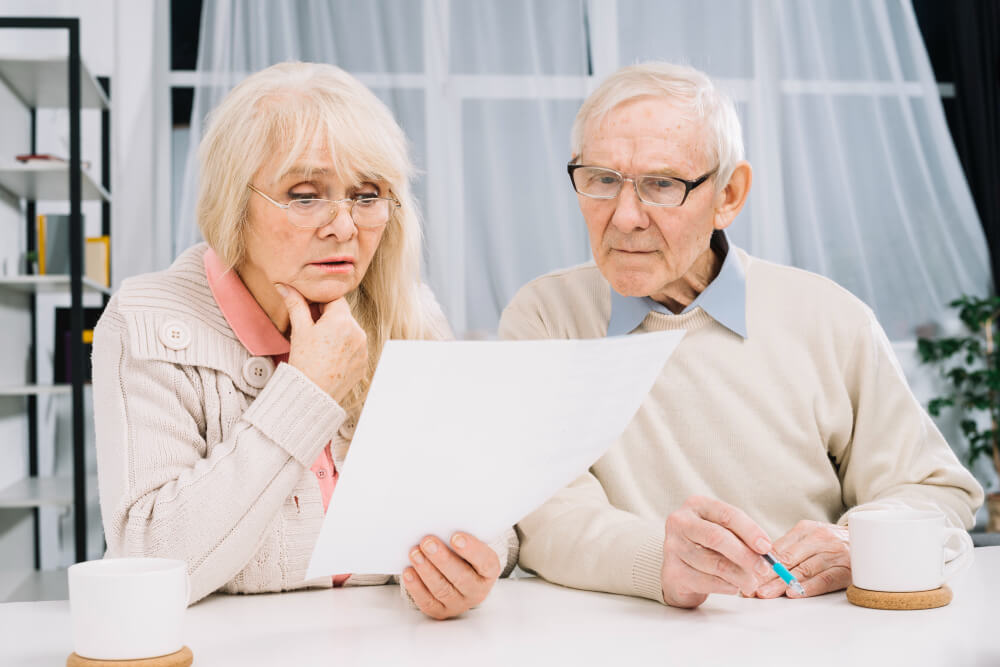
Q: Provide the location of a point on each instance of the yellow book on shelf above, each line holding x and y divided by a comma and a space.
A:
97, 260
40, 238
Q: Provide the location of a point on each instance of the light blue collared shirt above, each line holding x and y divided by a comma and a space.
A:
724, 300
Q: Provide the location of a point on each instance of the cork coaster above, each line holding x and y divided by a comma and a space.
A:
938, 597
181, 658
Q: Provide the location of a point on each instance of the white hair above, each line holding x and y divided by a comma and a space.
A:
688, 90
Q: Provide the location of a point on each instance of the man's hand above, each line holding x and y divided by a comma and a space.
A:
817, 554
711, 547
445, 583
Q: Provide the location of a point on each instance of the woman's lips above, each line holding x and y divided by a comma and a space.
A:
335, 265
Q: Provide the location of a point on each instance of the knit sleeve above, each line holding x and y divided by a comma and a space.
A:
578, 538
896, 456
506, 547
163, 493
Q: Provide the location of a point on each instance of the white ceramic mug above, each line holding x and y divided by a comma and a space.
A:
128, 608
903, 551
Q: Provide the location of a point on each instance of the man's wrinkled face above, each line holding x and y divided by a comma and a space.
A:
642, 249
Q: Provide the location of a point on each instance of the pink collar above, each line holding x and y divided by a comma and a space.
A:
248, 320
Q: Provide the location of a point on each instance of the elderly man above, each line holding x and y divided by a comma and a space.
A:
782, 410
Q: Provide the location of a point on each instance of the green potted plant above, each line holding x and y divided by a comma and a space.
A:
969, 363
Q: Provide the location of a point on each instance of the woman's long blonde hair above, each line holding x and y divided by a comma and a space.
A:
286, 109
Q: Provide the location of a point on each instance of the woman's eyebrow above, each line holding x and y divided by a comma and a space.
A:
304, 170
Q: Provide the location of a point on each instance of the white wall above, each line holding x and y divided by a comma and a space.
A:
141, 119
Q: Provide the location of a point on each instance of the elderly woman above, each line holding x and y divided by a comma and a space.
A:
228, 386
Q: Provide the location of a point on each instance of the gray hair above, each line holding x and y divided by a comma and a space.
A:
689, 90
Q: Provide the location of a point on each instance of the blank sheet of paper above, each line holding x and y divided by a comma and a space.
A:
473, 435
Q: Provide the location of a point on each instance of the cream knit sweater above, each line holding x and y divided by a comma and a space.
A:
194, 461
806, 418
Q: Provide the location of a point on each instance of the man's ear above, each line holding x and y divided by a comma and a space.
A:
729, 202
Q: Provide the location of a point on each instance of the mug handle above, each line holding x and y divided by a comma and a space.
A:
963, 559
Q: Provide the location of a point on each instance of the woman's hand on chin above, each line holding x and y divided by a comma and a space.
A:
445, 582
332, 350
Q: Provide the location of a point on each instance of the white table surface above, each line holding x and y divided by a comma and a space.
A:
528, 621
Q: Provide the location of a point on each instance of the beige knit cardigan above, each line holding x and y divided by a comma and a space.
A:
194, 461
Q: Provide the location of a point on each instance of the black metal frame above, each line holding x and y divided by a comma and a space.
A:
76, 241
688, 185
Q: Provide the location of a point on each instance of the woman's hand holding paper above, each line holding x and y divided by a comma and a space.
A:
445, 582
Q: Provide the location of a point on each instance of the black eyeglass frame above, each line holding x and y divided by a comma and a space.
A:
688, 185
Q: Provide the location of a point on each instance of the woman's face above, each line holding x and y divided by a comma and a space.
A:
323, 264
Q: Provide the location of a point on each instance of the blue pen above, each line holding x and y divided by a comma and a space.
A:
783, 572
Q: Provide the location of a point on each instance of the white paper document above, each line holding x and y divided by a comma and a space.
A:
472, 436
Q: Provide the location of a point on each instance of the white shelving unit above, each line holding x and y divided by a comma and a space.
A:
33, 585
35, 390
59, 284
60, 81
40, 180
41, 82
44, 492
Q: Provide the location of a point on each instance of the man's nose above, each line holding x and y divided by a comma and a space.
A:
629, 212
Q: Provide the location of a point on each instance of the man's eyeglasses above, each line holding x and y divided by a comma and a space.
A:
368, 211
604, 183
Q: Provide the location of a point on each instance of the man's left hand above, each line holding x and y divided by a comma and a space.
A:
817, 554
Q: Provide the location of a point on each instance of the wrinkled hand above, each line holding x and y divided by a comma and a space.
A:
446, 582
332, 351
710, 547
817, 554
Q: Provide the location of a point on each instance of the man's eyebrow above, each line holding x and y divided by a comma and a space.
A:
669, 171
663, 171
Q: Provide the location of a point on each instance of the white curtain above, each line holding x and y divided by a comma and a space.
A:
856, 176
